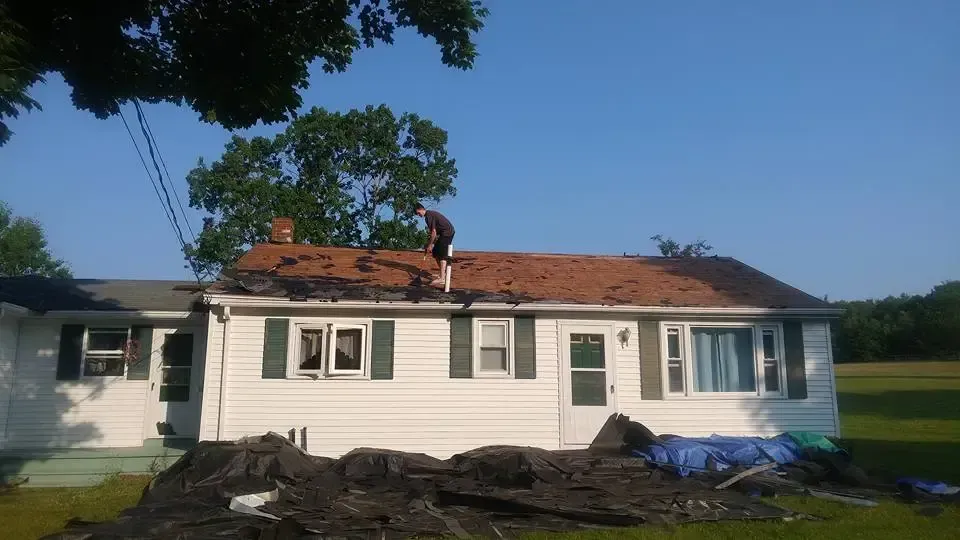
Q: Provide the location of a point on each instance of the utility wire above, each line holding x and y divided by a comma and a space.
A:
168, 204
149, 174
173, 187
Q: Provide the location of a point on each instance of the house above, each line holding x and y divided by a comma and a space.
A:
525, 349
345, 348
76, 401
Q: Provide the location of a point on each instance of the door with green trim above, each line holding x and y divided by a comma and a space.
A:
588, 380
176, 372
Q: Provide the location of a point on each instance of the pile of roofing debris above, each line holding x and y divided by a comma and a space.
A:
266, 487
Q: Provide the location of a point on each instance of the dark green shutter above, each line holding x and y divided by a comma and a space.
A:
461, 347
525, 348
651, 366
140, 369
275, 348
381, 355
71, 352
793, 357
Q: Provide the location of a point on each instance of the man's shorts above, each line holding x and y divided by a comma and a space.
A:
440, 247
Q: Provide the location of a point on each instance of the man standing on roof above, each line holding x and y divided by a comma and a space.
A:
441, 237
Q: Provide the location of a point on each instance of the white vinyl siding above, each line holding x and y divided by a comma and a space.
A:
423, 410
420, 410
732, 416
8, 352
92, 412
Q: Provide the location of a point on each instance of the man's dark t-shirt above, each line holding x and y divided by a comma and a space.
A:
436, 220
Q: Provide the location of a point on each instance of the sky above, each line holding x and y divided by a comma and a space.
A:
817, 141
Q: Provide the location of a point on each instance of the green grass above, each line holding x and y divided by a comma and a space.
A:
28, 513
900, 418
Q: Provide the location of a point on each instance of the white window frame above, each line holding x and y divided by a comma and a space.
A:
478, 324
686, 354
327, 369
101, 353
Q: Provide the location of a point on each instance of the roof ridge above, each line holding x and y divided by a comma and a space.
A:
490, 252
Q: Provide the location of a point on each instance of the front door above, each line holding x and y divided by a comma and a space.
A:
588, 381
175, 385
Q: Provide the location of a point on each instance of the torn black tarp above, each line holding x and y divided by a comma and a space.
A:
497, 491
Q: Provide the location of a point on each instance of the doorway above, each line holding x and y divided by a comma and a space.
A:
588, 380
175, 384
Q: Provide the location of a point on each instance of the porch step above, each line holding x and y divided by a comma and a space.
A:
69, 467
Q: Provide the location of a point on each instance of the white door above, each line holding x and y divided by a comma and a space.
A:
176, 374
588, 380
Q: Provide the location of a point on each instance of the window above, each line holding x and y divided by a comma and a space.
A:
725, 358
674, 362
103, 352
494, 355
329, 349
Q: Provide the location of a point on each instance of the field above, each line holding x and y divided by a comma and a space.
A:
900, 418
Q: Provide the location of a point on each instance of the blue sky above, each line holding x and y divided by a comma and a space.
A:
818, 141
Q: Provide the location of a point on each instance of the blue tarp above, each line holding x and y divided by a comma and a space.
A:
718, 453
934, 487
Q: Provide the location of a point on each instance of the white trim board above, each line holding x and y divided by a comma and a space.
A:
242, 301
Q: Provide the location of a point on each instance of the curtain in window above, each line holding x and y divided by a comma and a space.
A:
348, 349
723, 360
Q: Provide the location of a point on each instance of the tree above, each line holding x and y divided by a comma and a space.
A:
346, 179
235, 62
23, 248
670, 248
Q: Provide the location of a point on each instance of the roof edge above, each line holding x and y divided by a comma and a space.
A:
15, 309
244, 301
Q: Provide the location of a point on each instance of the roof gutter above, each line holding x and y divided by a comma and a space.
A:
242, 301
120, 314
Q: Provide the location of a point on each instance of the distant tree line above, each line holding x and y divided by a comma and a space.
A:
914, 326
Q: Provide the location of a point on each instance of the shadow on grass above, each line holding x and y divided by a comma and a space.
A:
903, 404
889, 460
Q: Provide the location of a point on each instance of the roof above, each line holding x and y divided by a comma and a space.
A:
335, 273
46, 294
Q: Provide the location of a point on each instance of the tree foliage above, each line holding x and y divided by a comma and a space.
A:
23, 248
670, 248
913, 326
235, 62
348, 179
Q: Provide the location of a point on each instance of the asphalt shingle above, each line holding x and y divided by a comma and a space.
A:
350, 273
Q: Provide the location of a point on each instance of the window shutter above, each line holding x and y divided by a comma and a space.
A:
651, 366
461, 347
275, 348
140, 370
794, 360
71, 352
525, 348
381, 355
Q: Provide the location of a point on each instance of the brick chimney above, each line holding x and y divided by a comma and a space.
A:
281, 231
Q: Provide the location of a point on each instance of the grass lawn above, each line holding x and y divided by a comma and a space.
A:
903, 418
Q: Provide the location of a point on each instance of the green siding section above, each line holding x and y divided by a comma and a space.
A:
275, 348
140, 370
381, 356
525, 348
794, 359
461, 347
651, 386
84, 467
71, 352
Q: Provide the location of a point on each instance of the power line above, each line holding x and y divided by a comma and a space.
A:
167, 205
153, 157
173, 187
147, 169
